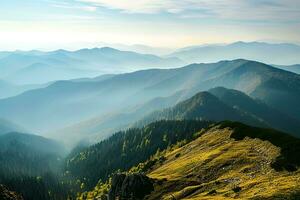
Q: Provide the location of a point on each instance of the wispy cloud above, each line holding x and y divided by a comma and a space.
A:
140, 6
153, 22
67, 5
283, 10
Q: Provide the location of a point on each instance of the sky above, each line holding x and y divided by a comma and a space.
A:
74, 24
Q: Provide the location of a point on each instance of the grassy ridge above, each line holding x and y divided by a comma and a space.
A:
289, 158
218, 166
228, 160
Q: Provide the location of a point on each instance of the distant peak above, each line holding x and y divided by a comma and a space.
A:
221, 91
238, 43
60, 51
202, 96
108, 49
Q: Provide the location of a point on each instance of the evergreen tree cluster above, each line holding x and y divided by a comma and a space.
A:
31, 172
129, 148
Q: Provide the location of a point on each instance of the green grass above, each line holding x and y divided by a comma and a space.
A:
229, 161
289, 158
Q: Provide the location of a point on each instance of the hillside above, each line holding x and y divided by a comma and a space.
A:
52, 108
7, 126
31, 163
292, 68
260, 81
219, 104
258, 109
101, 127
128, 148
202, 106
34, 142
226, 161
24, 154
223, 164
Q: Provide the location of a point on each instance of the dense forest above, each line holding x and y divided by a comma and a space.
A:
129, 148
31, 166
52, 176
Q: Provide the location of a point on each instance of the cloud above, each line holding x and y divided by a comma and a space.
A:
225, 9
139, 6
67, 5
89, 8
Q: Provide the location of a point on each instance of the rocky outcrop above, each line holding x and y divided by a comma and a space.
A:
130, 187
6, 194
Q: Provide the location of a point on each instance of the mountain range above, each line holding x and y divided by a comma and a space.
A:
219, 130
280, 54
36, 67
52, 108
221, 104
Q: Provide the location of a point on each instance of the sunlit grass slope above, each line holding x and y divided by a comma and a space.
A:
229, 161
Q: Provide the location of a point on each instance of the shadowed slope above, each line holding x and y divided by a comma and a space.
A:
205, 106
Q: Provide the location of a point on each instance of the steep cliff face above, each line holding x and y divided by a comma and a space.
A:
130, 187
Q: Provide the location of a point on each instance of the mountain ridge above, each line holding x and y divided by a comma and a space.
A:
271, 53
224, 160
122, 93
63, 64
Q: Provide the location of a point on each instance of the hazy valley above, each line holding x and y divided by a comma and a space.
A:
108, 124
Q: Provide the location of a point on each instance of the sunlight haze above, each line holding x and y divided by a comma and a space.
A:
74, 24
